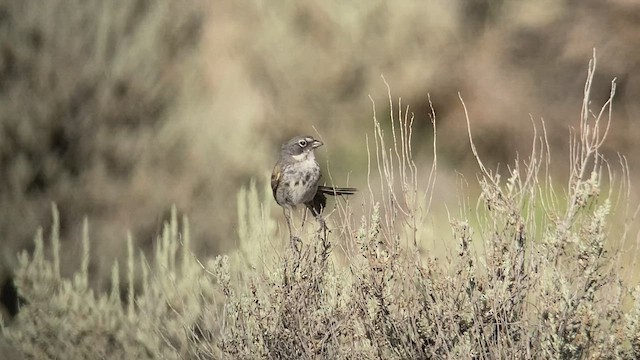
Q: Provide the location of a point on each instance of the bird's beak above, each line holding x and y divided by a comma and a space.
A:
316, 143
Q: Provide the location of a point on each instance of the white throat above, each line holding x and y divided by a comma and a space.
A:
307, 155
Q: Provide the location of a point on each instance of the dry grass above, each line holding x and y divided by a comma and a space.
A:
534, 279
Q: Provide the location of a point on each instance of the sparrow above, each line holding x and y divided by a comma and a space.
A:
296, 175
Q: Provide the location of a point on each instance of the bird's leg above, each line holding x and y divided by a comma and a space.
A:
288, 218
317, 214
316, 205
304, 217
294, 239
323, 224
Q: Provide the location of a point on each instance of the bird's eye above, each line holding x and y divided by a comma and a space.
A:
302, 143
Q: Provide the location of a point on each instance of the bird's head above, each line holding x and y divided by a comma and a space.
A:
300, 146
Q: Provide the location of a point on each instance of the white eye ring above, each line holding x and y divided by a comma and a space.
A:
302, 143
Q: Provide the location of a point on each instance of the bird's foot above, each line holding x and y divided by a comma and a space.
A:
322, 226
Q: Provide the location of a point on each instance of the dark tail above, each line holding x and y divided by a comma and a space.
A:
320, 201
335, 191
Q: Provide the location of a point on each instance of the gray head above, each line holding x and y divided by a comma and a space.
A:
300, 145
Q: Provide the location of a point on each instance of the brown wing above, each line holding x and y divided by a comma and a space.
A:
275, 178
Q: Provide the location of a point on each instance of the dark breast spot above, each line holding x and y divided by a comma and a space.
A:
307, 177
286, 184
297, 183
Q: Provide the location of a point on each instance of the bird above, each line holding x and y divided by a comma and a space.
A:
295, 179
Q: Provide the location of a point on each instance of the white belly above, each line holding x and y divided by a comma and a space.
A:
299, 182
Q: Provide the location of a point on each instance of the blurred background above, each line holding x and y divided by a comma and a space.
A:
116, 110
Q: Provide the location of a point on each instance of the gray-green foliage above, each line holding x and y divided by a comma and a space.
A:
65, 318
